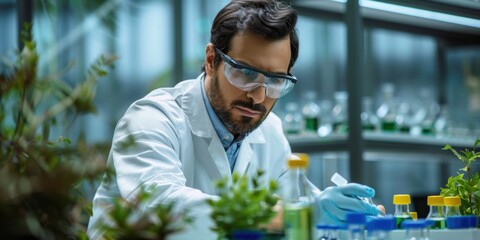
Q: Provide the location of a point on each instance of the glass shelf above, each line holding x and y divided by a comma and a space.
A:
378, 142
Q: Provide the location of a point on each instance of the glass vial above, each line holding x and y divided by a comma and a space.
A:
311, 112
328, 232
402, 209
369, 119
298, 201
417, 230
340, 112
379, 228
356, 225
452, 206
292, 120
435, 213
386, 112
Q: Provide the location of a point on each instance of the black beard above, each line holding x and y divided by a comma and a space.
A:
246, 124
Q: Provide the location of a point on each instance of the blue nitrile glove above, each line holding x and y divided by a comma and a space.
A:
335, 202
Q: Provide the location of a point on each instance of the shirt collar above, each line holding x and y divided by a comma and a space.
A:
225, 136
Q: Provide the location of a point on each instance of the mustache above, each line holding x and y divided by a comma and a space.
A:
251, 105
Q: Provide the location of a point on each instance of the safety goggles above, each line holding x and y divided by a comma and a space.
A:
247, 78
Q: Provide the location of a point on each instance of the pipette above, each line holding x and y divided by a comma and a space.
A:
340, 181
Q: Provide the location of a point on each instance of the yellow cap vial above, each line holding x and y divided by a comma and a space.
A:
452, 201
401, 199
298, 160
435, 200
414, 215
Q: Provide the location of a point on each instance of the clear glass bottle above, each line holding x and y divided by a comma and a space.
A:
298, 200
402, 208
379, 228
369, 119
417, 230
404, 118
356, 225
387, 112
323, 232
311, 112
452, 206
435, 213
340, 112
292, 120
326, 120
442, 122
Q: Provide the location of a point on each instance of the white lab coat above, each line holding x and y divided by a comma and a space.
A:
179, 155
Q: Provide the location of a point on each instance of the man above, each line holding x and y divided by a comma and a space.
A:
201, 130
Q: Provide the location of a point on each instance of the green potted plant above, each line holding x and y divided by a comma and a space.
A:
244, 204
128, 219
465, 184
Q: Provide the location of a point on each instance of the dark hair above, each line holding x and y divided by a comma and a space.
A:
270, 19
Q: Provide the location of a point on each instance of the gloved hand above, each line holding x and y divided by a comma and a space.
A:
335, 202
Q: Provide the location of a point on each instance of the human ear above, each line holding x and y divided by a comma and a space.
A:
209, 59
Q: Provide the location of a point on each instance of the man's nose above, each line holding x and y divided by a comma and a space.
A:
258, 94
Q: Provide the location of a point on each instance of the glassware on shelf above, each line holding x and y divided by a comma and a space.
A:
425, 114
311, 112
428, 122
340, 112
442, 123
369, 119
325, 118
387, 112
292, 120
404, 118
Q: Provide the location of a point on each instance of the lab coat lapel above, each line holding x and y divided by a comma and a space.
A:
192, 103
246, 159
219, 157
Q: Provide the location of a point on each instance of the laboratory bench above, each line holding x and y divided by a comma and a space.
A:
435, 234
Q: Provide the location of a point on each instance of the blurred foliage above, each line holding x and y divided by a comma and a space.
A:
40, 176
131, 220
244, 204
105, 10
466, 187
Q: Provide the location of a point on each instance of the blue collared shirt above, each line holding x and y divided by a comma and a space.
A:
229, 143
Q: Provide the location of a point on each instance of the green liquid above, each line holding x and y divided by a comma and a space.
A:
368, 127
438, 223
311, 124
405, 129
427, 130
400, 219
340, 127
293, 131
298, 222
389, 126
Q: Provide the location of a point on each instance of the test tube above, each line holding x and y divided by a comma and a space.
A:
340, 181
